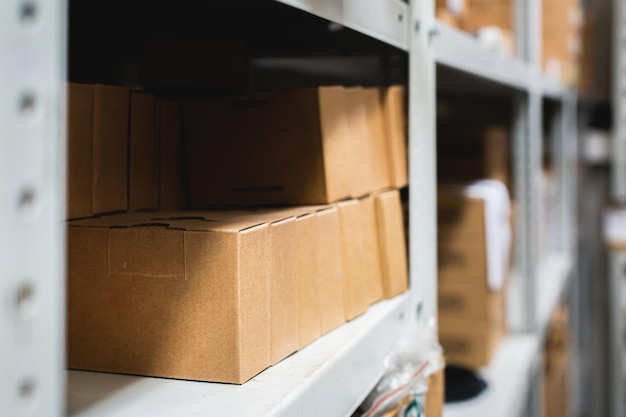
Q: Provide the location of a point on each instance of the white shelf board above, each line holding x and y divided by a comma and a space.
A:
463, 52
552, 88
385, 20
508, 378
553, 276
330, 377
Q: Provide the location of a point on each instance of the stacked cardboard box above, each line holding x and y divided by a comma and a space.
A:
492, 20
562, 44
124, 151
471, 308
556, 383
220, 296
450, 11
309, 146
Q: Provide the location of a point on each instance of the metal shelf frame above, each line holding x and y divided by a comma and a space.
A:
32, 183
32, 115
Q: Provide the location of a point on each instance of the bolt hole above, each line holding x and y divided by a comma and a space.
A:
27, 203
28, 12
420, 308
26, 394
26, 300
27, 104
400, 17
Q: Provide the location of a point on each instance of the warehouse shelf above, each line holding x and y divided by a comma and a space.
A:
328, 378
508, 378
385, 20
464, 53
553, 276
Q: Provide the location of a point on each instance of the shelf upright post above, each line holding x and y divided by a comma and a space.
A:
422, 162
568, 151
617, 323
32, 183
618, 167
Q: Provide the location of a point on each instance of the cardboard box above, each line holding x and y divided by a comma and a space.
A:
478, 303
480, 13
307, 272
379, 164
361, 255
172, 194
142, 175
556, 365
330, 269
80, 151
392, 243
283, 285
469, 343
395, 118
435, 396
110, 149
184, 297
290, 147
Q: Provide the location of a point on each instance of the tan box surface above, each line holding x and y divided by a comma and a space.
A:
182, 298
330, 269
142, 175
80, 151
171, 192
392, 243
110, 149
395, 118
361, 255
291, 147
469, 343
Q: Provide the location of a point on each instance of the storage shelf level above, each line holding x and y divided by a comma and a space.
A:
385, 20
330, 377
554, 273
461, 51
508, 378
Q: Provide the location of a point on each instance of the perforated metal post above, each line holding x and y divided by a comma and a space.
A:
32, 183
422, 161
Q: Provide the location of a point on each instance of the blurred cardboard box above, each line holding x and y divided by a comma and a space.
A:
80, 102
310, 146
143, 160
361, 255
110, 149
392, 243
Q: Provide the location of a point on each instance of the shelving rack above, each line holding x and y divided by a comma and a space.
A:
617, 258
333, 375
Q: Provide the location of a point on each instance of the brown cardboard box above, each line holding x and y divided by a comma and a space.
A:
80, 151
496, 162
290, 147
469, 343
283, 288
142, 174
171, 191
361, 255
478, 303
395, 118
556, 365
379, 166
181, 298
110, 149
481, 13
330, 269
435, 395
392, 243
308, 295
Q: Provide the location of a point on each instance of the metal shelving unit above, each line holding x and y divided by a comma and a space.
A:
333, 375
32, 183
